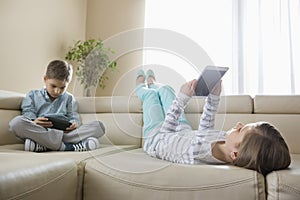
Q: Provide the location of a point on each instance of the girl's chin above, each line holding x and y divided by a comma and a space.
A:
228, 133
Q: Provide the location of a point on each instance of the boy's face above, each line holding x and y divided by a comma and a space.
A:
55, 87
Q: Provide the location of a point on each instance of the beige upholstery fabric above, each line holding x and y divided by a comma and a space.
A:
228, 104
134, 175
115, 104
285, 184
121, 170
10, 100
10, 103
275, 104
29, 175
121, 128
23, 176
7, 137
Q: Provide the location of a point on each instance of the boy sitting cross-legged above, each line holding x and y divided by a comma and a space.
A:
37, 130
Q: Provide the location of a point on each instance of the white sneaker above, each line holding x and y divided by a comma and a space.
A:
88, 144
76, 147
91, 143
33, 146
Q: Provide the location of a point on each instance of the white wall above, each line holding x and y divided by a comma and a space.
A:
106, 19
32, 33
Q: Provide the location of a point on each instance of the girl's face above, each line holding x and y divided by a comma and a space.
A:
55, 87
235, 135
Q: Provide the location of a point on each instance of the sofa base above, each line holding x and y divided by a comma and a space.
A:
134, 175
35, 177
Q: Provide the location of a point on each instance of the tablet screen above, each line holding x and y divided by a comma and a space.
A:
208, 79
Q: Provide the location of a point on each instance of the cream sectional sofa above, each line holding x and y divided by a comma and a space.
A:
121, 170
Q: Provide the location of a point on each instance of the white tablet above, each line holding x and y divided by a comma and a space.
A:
208, 79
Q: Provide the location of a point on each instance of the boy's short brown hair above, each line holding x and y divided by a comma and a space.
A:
263, 151
60, 70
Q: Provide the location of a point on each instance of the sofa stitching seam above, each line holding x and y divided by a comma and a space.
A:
289, 188
40, 187
148, 186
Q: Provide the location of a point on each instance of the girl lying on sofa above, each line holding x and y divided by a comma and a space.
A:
168, 135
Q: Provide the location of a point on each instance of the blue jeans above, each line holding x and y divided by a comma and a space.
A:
156, 101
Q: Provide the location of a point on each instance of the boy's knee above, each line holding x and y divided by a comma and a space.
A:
100, 128
16, 126
15, 122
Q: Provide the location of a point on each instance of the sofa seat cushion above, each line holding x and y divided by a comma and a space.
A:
75, 156
135, 175
284, 184
23, 176
12, 153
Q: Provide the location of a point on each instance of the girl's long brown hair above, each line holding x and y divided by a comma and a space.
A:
263, 151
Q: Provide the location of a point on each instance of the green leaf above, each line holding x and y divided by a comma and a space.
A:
98, 56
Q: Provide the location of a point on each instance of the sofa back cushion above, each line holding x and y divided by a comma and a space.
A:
10, 103
284, 112
121, 116
232, 109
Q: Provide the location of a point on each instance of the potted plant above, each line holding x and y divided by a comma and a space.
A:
92, 60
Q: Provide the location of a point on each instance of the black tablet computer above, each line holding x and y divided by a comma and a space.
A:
208, 79
59, 123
